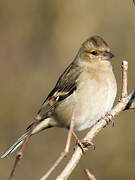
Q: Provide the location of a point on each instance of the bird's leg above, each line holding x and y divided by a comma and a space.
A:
82, 143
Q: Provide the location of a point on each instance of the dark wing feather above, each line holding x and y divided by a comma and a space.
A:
64, 87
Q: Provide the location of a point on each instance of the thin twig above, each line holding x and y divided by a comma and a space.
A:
19, 154
18, 158
122, 104
89, 175
132, 105
124, 79
64, 153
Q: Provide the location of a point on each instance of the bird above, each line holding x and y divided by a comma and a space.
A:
86, 88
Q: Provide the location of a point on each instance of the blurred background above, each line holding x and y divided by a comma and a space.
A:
38, 39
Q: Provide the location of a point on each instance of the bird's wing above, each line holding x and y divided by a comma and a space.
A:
64, 87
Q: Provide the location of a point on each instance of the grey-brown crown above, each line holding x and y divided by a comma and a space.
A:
95, 43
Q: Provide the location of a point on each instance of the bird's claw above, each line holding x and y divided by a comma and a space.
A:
109, 118
83, 144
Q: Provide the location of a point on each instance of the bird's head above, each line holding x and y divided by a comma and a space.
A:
95, 49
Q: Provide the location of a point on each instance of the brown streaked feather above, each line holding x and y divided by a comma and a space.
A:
64, 87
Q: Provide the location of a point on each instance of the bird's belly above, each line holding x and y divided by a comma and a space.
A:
88, 103
95, 108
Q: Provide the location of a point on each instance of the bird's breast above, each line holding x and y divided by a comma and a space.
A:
93, 98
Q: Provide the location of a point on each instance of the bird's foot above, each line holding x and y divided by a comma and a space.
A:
83, 144
109, 118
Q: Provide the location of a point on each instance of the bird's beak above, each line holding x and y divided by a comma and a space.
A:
108, 55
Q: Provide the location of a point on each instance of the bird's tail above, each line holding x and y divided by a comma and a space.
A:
16, 145
34, 128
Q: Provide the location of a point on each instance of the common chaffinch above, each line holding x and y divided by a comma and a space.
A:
86, 88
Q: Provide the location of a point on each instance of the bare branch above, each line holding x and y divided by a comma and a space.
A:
132, 105
19, 156
124, 79
89, 175
63, 154
124, 104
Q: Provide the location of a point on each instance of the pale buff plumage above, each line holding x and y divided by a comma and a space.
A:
93, 98
87, 88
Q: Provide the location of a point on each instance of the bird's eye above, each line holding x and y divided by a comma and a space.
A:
95, 53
